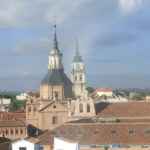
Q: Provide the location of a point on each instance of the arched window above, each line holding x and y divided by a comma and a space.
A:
54, 120
31, 101
81, 108
21, 131
56, 95
12, 131
6, 131
88, 108
16, 131
80, 77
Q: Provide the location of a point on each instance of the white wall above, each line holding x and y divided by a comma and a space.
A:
5, 101
22, 143
60, 144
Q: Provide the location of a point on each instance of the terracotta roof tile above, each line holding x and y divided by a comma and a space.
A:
130, 109
120, 133
12, 123
103, 90
12, 116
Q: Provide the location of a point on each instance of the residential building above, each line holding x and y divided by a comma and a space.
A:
13, 129
4, 104
108, 92
22, 96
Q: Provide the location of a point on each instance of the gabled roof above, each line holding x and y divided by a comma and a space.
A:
52, 102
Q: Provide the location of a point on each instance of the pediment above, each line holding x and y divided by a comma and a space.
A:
54, 107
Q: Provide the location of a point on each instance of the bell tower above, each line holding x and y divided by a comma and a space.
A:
78, 74
55, 86
55, 56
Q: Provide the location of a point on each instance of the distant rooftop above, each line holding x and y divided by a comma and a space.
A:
130, 109
106, 133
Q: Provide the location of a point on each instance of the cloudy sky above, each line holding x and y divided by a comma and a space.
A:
114, 40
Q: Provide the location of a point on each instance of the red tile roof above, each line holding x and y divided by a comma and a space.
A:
103, 90
12, 123
12, 116
130, 109
109, 133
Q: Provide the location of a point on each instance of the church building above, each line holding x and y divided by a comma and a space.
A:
61, 99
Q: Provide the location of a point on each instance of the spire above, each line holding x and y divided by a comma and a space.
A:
77, 48
77, 57
55, 38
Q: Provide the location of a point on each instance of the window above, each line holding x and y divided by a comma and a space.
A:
16, 131
11, 131
106, 148
54, 120
22, 148
6, 131
21, 131
131, 131
29, 109
88, 107
147, 131
75, 78
56, 95
81, 108
113, 132
40, 147
80, 77
34, 109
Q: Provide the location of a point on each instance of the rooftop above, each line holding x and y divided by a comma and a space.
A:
12, 123
106, 133
103, 90
128, 110
12, 116
56, 77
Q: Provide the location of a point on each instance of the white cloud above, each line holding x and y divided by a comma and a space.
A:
27, 12
129, 6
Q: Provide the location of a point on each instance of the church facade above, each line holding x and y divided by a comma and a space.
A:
61, 99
